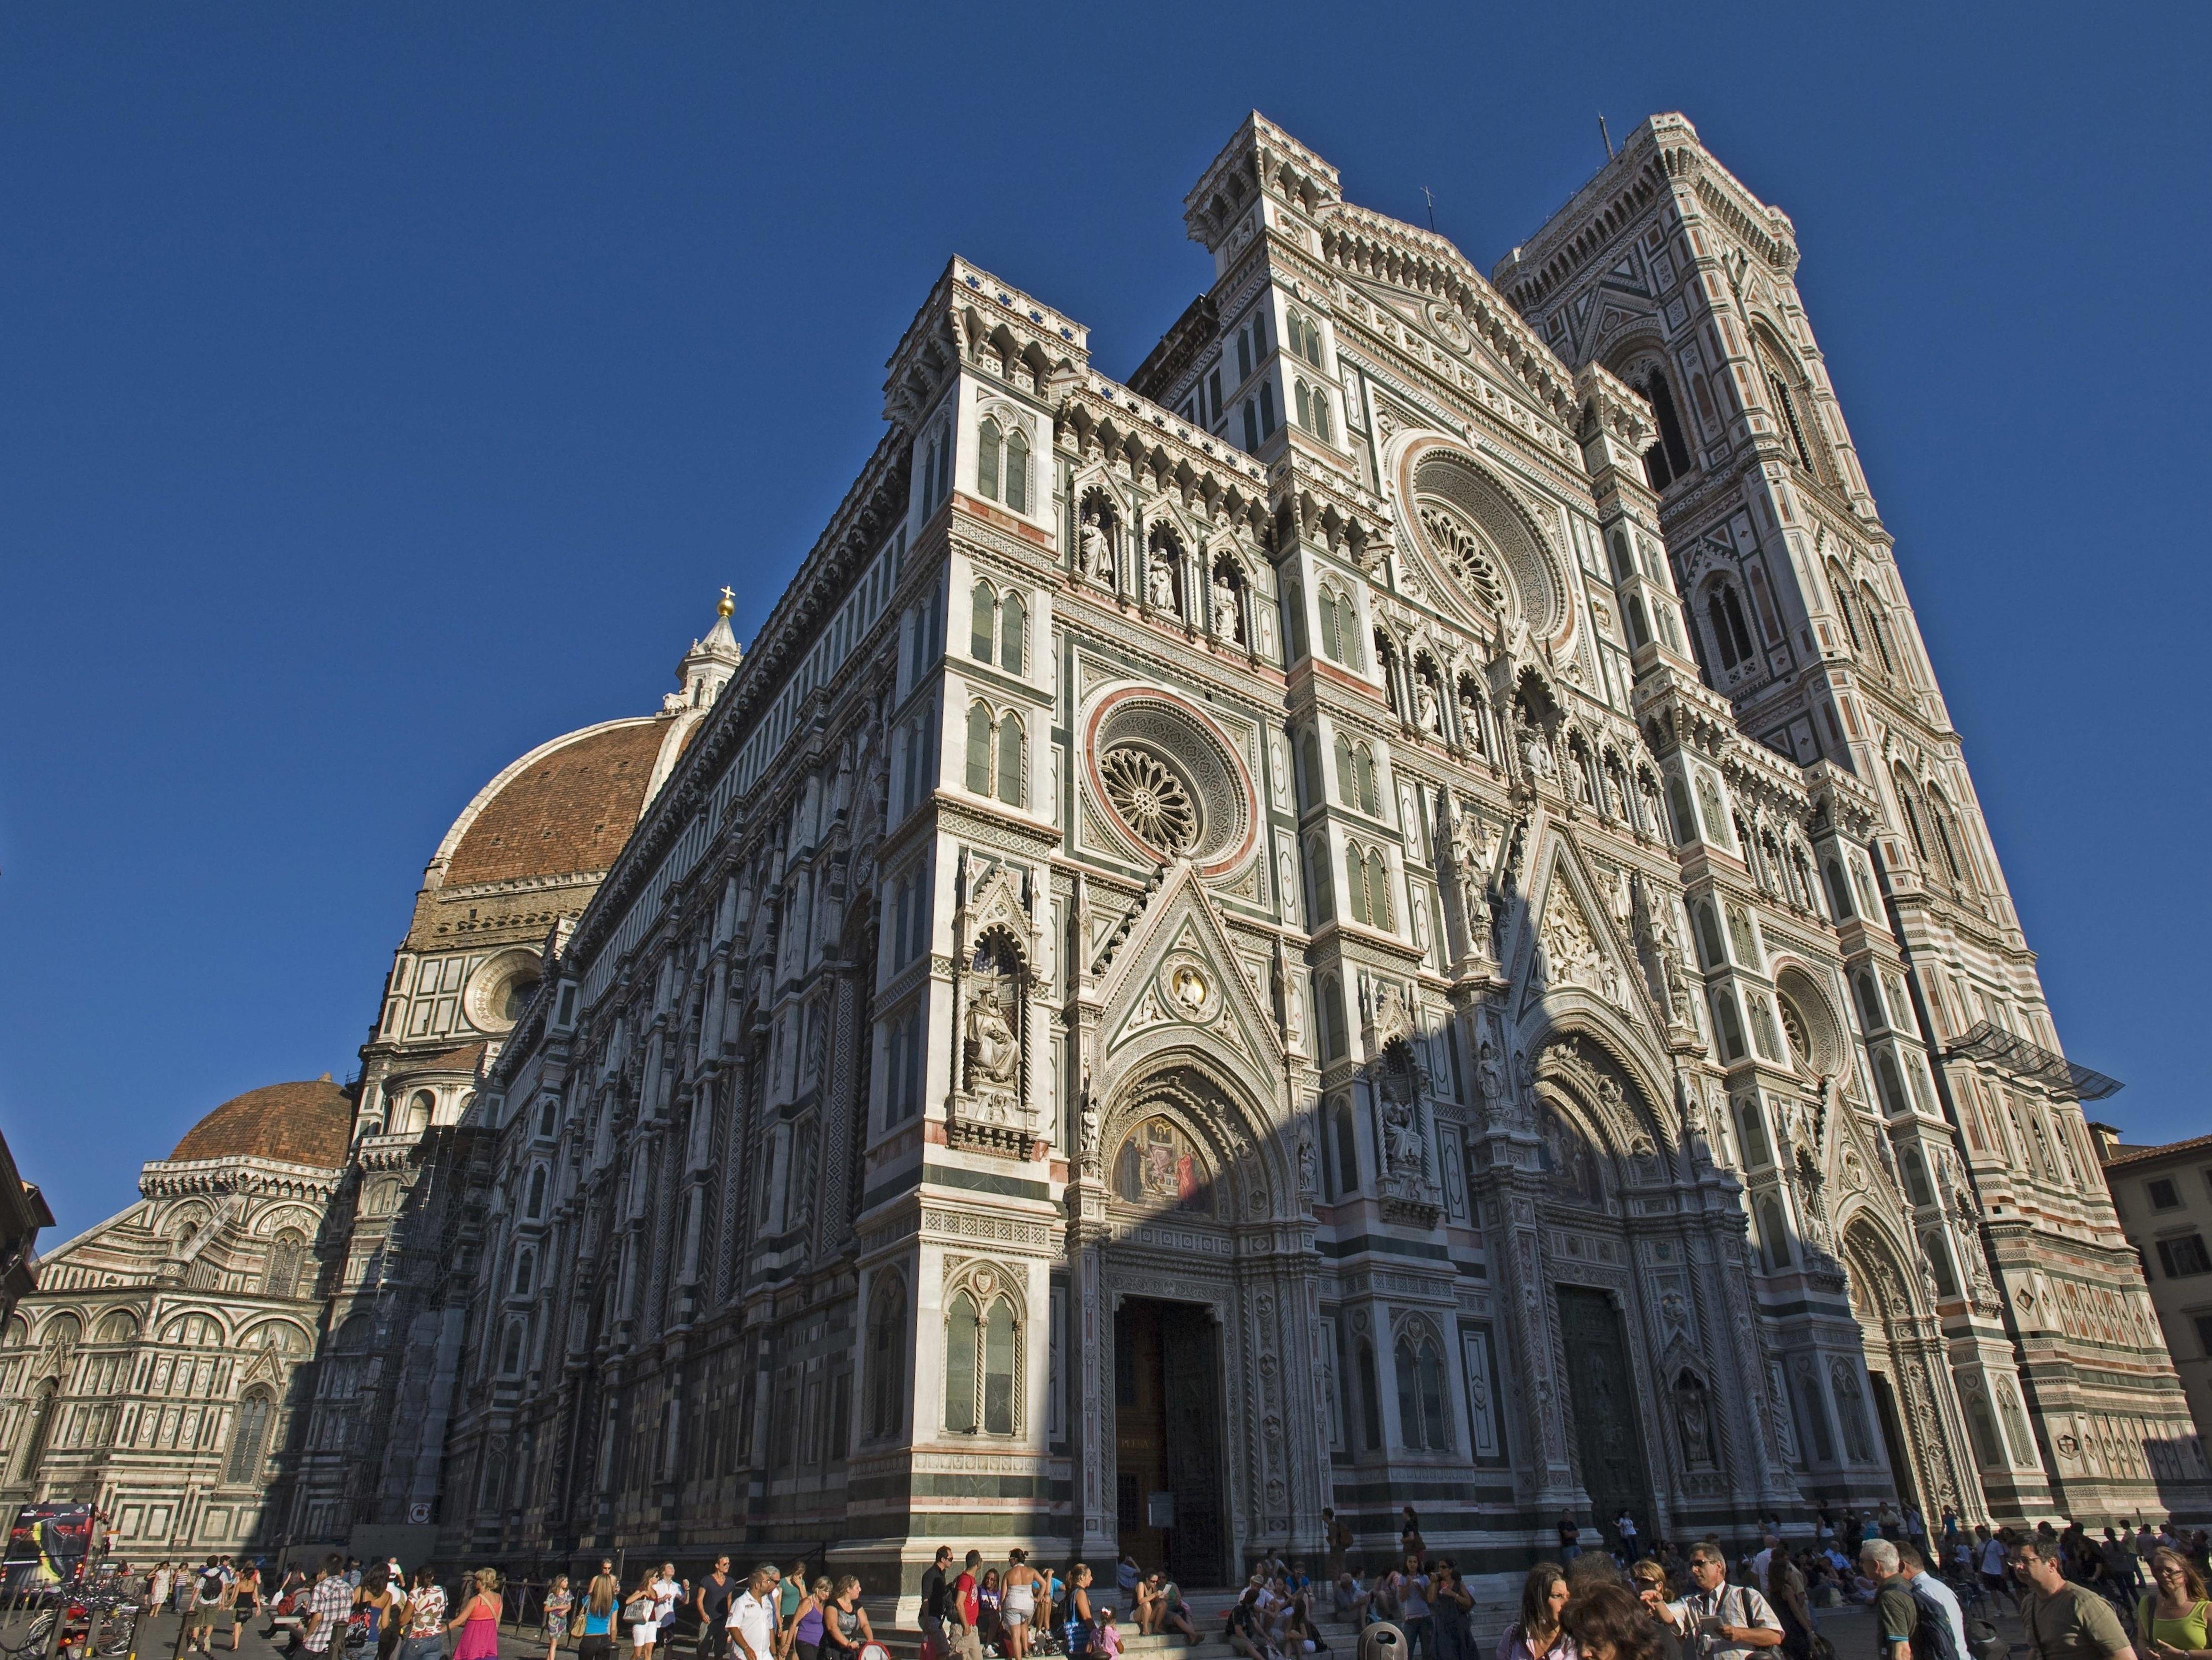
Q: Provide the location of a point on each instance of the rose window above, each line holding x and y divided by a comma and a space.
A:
1151, 797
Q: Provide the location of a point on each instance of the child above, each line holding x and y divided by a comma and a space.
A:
1106, 1640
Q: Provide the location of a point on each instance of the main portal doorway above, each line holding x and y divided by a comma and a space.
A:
1601, 1386
1169, 1495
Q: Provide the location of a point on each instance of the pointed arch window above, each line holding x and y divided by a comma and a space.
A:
1370, 1400
1873, 609
1787, 406
1724, 612
982, 1365
1424, 1420
535, 1207
1710, 953
1348, 775
1011, 747
282, 1278
1355, 881
1018, 471
886, 1360
249, 1437
979, 749
526, 1274
510, 1357
1839, 891
1378, 889
1774, 1235
989, 445
1728, 1025
1669, 459
1894, 1101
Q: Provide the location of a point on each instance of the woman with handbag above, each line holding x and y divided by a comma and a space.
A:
593, 1626
478, 1621
642, 1617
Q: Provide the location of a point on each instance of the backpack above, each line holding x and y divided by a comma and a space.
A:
210, 1585
1932, 1636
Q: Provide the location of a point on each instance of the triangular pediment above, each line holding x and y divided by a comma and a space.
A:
1572, 944
1179, 968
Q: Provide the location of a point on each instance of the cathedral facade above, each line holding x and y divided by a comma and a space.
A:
1385, 912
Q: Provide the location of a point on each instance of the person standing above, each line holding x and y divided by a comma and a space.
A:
1718, 1620
478, 1621
1450, 1604
244, 1595
1990, 1557
1624, 1525
208, 1590
964, 1588
933, 1597
1336, 1540
711, 1602
1017, 1604
804, 1641
751, 1623
424, 1624
2173, 1619
1413, 1599
386, 1602
638, 1614
559, 1603
595, 1629
845, 1622
1075, 1631
328, 1605
1570, 1538
1537, 1634
2064, 1621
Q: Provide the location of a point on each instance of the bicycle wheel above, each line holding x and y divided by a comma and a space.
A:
116, 1637
34, 1634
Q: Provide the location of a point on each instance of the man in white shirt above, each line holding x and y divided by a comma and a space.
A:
1993, 1570
1929, 1588
752, 1618
1759, 1563
1727, 1622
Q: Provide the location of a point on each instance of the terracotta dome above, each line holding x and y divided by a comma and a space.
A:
565, 809
307, 1123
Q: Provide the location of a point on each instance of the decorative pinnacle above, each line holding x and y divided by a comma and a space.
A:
729, 602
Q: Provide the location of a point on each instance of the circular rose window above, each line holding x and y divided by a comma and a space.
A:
1168, 782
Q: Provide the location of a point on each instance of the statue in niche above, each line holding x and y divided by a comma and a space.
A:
1398, 1086
1428, 713
1227, 624
1094, 547
1308, 1165
1693, 1416
1535, 748
1159, 579
990, 1045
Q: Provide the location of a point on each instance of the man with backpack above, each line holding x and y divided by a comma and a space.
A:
208, 1602
1942, 1631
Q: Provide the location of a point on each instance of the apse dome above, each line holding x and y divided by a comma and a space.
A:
302, 1123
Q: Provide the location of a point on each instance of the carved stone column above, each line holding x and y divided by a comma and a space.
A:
1096, 1524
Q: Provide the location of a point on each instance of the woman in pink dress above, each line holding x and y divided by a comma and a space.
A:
478, 1623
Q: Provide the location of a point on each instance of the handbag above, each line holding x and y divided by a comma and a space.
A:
576, 1624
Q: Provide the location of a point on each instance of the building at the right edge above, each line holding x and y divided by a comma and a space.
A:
1668, 272
2164, 1197
1384, 911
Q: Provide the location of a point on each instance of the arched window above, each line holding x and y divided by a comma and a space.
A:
41, 1425
1013, 633
1750, 1129
1988, 1447
1018, 471
999, 1369
1424, 1420
981, 1353
1685, 818
1839, 891
1728, 1025
1310, 784
1916, 1177
1010, 760
1851, 1409
249, 1438
282, 1277
536, 1207
1710, 954
1344, 1144
1355, 880
525, 1273
1724, 612
988, 446
120, 1327
1378, 889
1894, 1101
1640, 632
1333, 627
983, 628
1347, 777
962, 1334
510, 1355
1371, 798
1370, 1400
420, 1111
1305, 336
1669, 459
1302, 395
1787, 407
1386, 663
1774, 1235
1938, 1263
979, 749
1939, 819
886, 1399
1328, 1005
1873, 610
1870, 1010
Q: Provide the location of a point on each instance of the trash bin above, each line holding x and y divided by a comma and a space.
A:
1381, 1641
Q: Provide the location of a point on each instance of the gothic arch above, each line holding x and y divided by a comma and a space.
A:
1905, 1356
1193, 1091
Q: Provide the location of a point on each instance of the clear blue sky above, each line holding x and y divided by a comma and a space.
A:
389, 388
